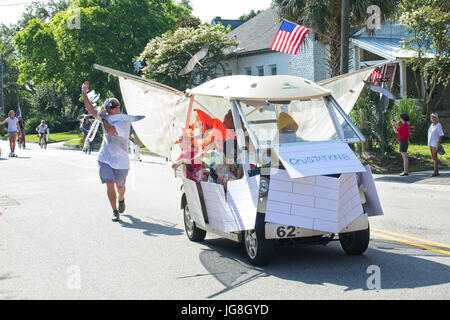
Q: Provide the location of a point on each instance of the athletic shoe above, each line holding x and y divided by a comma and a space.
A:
116, 215
121, 206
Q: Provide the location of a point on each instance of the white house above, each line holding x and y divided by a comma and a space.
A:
254, 57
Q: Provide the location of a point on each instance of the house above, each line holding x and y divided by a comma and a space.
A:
227, 22
254, 57
385, 45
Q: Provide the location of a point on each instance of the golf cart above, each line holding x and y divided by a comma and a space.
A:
303, 186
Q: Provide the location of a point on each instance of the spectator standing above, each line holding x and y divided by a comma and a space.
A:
403, 140
435, 135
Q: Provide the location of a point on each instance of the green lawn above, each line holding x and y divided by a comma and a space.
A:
419, 159
57, 136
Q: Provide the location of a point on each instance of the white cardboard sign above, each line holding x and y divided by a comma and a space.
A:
317, 203
235, 210
315, 159
373, 204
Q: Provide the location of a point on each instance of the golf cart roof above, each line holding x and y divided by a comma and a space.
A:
269, 88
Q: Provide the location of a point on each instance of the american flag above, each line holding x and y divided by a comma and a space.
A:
378, 74
289, 37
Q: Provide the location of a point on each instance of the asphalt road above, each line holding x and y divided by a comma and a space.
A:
57, 241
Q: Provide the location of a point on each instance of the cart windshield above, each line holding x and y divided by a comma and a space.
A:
298, 121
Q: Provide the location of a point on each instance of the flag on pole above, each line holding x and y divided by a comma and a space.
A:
289, 37
19, 113
378, 74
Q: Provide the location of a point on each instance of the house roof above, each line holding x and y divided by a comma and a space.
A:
227, 22
388, 48
257, 34
386, 42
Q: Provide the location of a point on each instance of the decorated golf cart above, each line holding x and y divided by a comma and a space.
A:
291, 176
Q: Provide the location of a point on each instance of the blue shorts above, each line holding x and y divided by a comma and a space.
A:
108, 174
12, 132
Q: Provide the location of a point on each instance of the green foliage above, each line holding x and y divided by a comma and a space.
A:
428, 21
56, 123
371, 129
250, 15
417, 122
166, 55
10, 74
109, 33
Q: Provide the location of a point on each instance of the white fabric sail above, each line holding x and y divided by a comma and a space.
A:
347, 88
164, 113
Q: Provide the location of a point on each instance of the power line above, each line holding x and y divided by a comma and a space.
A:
17, 4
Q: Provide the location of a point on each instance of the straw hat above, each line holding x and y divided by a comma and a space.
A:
285, 120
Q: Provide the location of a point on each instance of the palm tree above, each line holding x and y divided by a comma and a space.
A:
324, 18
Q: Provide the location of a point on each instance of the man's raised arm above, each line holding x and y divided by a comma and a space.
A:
87, 103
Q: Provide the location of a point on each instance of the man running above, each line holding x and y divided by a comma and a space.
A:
13, 129
113, 160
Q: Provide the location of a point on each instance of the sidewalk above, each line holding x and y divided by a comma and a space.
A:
420, 179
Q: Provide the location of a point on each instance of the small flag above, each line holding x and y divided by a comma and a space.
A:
378, 75
289, 37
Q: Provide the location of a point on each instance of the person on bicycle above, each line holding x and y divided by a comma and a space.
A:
21, 124
42, 131
13, 128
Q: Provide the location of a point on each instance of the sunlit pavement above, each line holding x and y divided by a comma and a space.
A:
57, 240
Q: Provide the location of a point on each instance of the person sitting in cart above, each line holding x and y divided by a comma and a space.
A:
214, 159
287, 128
189, 150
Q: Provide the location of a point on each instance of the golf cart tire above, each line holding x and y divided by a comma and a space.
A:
258, 249
193, 233
356, 242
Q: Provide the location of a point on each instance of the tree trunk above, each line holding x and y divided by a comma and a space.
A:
334, 62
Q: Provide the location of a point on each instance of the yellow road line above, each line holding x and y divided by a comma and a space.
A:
442, 245
415, 244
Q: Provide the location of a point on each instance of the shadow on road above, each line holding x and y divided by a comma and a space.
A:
152, 229
319, 265
417, 177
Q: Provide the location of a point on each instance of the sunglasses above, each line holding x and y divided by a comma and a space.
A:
109, 105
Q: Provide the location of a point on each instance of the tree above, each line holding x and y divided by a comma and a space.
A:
43, 11
250, 15
186, 4
324, 17
12, 90
110, 33
166, 55
428, 21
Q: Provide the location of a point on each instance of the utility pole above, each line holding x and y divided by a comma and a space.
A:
345, 35
3, 96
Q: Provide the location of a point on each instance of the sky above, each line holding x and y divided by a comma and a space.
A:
206, 10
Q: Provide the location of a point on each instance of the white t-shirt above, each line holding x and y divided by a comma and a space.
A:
434, 132
43, 129
114, 150
12, 124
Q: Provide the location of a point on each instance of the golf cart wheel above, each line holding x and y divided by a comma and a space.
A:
355, 242
259, 250
193, 233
